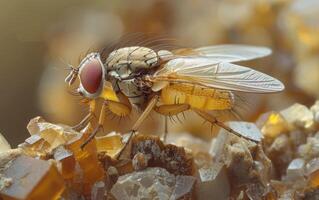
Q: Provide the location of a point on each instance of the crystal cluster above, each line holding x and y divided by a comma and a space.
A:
275, 158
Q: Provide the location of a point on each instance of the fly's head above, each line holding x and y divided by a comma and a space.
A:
91, 76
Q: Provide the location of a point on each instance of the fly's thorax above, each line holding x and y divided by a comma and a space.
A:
131, 90
125, 62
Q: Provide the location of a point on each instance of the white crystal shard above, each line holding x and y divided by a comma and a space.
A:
298, 115
4, 145
183, 186
98, 191
312, 166
315, 111
218, 187
295, 169
152, 183
246, 129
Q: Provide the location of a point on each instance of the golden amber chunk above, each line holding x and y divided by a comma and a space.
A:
35, 146
314, 179
66, 162
32, 179
272, 124
87, 158
111, 144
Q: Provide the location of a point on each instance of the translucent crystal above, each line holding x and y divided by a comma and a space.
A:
54, 134
4, 145
272, 124
213, 181
246, 129
111, 144
295, 170
66, 161
32, 179
35, 146
240, 163
189, 142
312, 166
33, 126
152, 183
310, 149
86, 157
183, 187
280, 153
315, 110
312, 171
98, 191
218, 146
298, 115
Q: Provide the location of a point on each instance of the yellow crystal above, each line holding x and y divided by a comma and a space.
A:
32, 179
111, 144
272, 124
87, 158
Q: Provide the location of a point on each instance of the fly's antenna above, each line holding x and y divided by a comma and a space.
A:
70, 79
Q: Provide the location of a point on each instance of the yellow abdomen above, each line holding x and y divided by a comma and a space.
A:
197, 97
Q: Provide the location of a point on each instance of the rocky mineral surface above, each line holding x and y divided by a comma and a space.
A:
284, 164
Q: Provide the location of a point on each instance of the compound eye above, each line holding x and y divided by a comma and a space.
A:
91, 75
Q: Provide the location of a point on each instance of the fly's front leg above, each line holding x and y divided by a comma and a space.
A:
87, 118
170, 110
138, 122
214, 120
99, 126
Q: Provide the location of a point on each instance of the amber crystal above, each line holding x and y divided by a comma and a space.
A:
272, 124
111, 144
66, 161
32, 179
87, 158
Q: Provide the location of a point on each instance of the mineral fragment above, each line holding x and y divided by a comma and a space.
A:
299, 116
66, 162
212, 180
98, 191
246, 129
4, 145
295, 170
111, 144
172, 158
32, 179
272, 124
153, 183
315, 110
87, 158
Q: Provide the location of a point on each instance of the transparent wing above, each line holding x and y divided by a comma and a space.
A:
210, 73
232, 53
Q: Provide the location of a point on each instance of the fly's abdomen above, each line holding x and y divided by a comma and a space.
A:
197, 97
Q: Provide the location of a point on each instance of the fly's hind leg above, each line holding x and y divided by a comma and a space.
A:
214, 120
170, 110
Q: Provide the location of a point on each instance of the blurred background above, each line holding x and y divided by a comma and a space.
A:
39, 37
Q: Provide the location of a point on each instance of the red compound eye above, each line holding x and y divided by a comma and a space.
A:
91, 75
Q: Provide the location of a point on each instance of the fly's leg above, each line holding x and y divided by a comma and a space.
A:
99, 126
138, 123
119, 107
87, 118
170, 110
165, 129
214, 120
